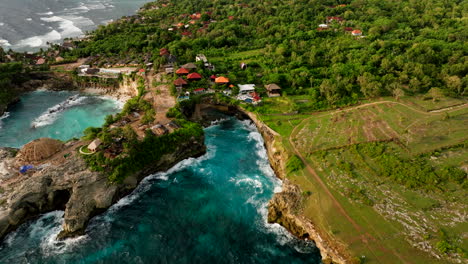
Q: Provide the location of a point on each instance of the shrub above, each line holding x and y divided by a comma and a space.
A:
294, 164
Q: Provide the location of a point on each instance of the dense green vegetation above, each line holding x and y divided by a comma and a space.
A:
415, 173
10, 76
409, 46
138, 154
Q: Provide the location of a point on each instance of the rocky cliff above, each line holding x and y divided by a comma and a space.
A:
63, 182
285, 207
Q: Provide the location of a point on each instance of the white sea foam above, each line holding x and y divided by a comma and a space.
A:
96, 6
5, 115
147, 182
66, 26
51, 114
2, 24
29, 19
49, 244
251, 183
46, 13
38, 41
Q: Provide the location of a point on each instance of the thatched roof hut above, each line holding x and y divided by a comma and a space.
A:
40, 149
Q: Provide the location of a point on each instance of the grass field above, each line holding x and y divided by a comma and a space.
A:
389, 221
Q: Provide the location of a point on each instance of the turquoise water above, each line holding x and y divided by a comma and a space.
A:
59, 115
206, 210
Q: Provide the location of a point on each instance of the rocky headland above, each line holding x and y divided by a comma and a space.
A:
63, 181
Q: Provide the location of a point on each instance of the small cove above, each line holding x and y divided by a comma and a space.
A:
211, 209
59, 115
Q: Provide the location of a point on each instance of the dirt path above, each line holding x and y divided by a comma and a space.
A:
161, 96
70, 66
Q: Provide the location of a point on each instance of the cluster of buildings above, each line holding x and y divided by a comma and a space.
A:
88, 71
187, 75
339, 20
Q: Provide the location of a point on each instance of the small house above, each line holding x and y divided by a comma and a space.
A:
201, 57
172, 126
194, 76
323, 26
213, 77
189, 66
246, 88
273, 90
163, 52
221, 80
356, 32
159, 130
169, 69
335, 19
179, 83
199, 91
92, 71
40, 61
182, 71
94, 145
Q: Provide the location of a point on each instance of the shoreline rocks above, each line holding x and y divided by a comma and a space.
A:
69, 185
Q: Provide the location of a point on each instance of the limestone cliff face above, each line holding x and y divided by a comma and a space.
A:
70, 186
124, 90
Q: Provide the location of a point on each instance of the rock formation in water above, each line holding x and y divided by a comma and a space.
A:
62, 181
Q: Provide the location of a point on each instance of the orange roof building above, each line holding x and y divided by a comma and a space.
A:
182, 71
222, 80
356, 32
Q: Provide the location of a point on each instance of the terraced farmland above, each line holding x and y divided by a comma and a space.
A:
387, 178
416, 130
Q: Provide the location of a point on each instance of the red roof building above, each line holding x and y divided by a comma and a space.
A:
334, 18
194, 76
182, 71
213, 77
180, 82
163, 52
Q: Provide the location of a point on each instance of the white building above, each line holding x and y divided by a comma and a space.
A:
246, 88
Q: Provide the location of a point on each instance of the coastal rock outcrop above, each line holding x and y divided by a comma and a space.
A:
65, 183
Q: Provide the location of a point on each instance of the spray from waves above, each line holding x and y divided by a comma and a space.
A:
44, 232
46, 14
282, 235
51, 114
4, 116
67, 26
218, 121
38, 41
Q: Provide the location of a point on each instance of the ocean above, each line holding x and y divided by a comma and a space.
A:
60, 115
27, 25
212, 209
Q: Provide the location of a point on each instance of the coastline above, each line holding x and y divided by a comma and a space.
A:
283, 207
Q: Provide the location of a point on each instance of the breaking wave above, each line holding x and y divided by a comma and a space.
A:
51, 114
